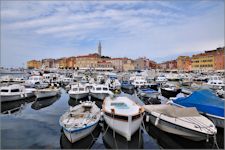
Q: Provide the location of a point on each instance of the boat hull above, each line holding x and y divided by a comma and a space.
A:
79, 96
8, 98
79, 134
100, 96
40, 95
124, 128
178, 130
169, 94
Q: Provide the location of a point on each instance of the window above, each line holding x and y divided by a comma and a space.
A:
98, 89
4, 90
75, 89
81, 89
105, 89
15, 90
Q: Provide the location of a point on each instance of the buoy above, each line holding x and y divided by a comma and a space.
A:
147, 118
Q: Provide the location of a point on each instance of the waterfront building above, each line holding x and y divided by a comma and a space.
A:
129, 65
118, 63
202, 62
87, 61
168, 65
71, 62
152, 64
141, 63
184, 63
219, 58
33, 64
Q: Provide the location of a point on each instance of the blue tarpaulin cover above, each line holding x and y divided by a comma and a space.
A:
148, 90
205, 101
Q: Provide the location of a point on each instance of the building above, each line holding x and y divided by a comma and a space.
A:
184, 63
202, 62
33, 64
118, 63
71, 62
141, 63
129, 65
87, 61
99, 49
152, 64
47, 63
168, 65
219, 58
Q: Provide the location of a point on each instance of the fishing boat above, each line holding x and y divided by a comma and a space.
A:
185, 122
170, 90
122, 115
206, 103
80, 120
78, 91
47, 92
148, 95
15, 92
138, 82
100, 91
161, 79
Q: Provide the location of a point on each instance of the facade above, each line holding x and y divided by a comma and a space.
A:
87, 61
118, 63
168, 65
202, 62
219, 58
152, 64
141, 63
104, 64
129, 65
184, 63
33, 64
71, 62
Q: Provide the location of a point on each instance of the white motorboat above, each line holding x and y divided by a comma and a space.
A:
139, 82
161, 79
80, 120
15, 92
122, 115
185, 122
100, 91
78, 91
36, 81
47, 92
215, 82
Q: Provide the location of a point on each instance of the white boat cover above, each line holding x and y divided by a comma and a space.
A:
172, 111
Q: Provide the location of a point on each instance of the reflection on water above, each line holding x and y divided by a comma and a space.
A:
42, 103
120, 142
171, 141
85, 143
15, 106
41, 129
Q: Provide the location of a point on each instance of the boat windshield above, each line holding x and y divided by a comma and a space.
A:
105, 89
120, 105
15, 90
98, 89
75, 89
4, 90
81, 89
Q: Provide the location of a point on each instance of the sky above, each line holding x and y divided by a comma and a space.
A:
158, 30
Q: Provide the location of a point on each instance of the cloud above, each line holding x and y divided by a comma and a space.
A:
161, 28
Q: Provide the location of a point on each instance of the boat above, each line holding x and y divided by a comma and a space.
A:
148, 95
215, 82
113, 83
85, 143
80, 120
117, 141
35, 82
221, 92
78, 91
37, 104
169, 90
47, 92
138, 82
127, 87
15, 92
161, 79
207, 103
186, 81
100, 91
185, 122
122, 115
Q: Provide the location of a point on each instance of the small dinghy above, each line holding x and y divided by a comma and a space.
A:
185, 122
80, 120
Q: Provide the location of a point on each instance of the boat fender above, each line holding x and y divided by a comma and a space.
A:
147, 118
21, 95
25, 94
157, 121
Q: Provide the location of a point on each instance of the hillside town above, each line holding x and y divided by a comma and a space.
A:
209, 60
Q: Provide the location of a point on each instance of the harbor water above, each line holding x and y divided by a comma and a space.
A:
29, 124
